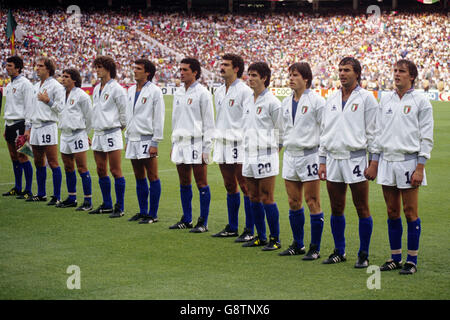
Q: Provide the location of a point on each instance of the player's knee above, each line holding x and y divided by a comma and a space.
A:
313, 203
231, 187
294, 204
116, 172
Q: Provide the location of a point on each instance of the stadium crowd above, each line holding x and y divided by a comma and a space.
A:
279, 39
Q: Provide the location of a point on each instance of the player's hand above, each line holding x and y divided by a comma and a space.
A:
153, 151
322, 172
27, 134
43, 96
417, 176
371, 172
205, 158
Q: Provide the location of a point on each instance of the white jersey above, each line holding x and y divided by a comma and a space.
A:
349, 128
229, 110
404, 126
263, 124
43, 112
109, 106
76, 112
145, 116
18, 100
303, 132
193, 115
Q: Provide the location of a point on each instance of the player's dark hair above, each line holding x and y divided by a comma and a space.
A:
49, 64
194, 64
107, 63
412, 68
17, 61
354, 63
236, 61
148, 67
305, 71
263, 70
74, 75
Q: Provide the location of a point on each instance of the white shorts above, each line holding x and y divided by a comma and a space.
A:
107, 142
228, 152
74, 143
261, 166
187, 151
300, 168
138, 149
346, 170
44, 136
397, 173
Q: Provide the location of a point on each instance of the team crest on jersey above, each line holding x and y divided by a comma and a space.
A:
144, 100
406, 109
231, 102
72, 101
14, 90
106, 96
189, 102
333, 108
354, 107
304, 109
258, 110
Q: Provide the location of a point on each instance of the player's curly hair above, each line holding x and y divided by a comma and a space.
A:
108, 63
194, 64
17, 61
355, 64
148, 67
49, 64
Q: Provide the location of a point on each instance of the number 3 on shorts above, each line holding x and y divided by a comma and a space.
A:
357, 171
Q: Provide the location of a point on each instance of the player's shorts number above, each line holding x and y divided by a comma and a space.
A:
110, 142
235, 153
145, 147
78, 144
408, 177
46, 138
194, 154
357, 171
314, 171
264, 167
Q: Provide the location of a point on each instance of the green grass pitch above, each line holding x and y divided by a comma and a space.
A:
124, 260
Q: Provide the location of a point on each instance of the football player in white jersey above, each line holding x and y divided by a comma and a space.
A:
348, 132
109, 118
302, 113
48, 93
263, 132
145, 127
18, 96
228, 144
75, 117
404, 141
192, 138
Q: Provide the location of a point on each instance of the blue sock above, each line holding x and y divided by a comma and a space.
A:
105, 187
395, 231
41, 177
119, 186
365, 232
316, 229
249, 219
260, 222
17, 168
186, 202
87, 186
28, 170
71, 182
57, 181
142, 195
205, 200
155, 195
338, 231
273, 219
233, 204
297, 221
414, 229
